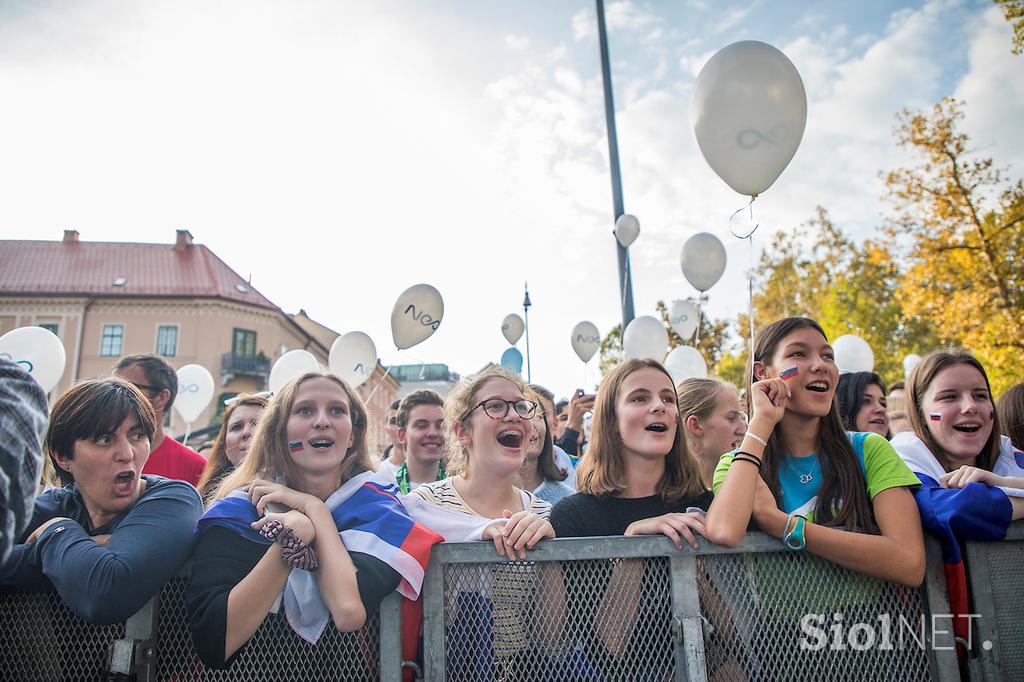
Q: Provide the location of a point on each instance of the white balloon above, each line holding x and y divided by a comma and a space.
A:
195, 391
627, 229
686, 362
853, 354
291, 365
645, 337
909, 363
38, 351
353, 358
683, 317
749, 111
586, 340
512, 327
417, 314
703, 260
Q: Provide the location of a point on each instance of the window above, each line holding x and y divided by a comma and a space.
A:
50, 327
112, 343
167, 340
244, 342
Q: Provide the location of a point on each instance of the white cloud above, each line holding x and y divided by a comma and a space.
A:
517, 43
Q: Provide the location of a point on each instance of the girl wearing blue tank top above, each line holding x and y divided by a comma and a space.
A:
801, 478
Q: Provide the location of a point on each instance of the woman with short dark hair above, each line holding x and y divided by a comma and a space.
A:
111, 537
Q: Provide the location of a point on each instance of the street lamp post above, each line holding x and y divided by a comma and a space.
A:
625, 278
526, 319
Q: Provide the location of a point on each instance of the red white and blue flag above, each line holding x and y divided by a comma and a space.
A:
370, 519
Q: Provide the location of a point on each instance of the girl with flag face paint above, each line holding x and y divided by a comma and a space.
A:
972, 480
304, 524
802, 478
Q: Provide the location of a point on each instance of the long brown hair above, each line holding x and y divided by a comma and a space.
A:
219, 465
268, 456
917, 385
602, 471
843, 496
546, 466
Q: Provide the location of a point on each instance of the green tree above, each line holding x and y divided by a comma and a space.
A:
611, 350
962, 227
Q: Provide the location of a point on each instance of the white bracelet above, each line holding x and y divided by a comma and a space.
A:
758, 438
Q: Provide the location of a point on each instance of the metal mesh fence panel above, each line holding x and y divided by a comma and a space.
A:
794, 616
41, 639
1006, 581
575, 620
275, 652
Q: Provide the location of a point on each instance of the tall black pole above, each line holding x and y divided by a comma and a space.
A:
625, 278
526, 316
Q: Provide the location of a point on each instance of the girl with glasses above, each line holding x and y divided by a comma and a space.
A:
488, 424
487, 433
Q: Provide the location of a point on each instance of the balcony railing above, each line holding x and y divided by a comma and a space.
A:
237, 364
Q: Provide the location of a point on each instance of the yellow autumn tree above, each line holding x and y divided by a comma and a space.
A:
961, 226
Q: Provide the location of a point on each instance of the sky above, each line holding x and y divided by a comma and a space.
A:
340, 152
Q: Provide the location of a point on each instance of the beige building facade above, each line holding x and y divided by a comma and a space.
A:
178, 301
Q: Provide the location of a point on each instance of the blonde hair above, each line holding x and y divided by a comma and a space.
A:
457, 405
699, 397
602, 471
268, 455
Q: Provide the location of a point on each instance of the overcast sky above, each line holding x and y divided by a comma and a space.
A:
339, 152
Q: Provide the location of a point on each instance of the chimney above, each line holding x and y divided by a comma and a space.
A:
71, 236
183, 240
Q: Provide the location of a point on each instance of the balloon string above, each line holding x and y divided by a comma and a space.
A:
700, 299
625, 278
749, 236
188, 432
386, 373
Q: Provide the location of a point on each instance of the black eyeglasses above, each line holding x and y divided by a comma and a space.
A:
496, 408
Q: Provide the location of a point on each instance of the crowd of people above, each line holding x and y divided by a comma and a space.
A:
296, 516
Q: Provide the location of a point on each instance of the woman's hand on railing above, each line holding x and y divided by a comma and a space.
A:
517, 533
672, 525
766, 513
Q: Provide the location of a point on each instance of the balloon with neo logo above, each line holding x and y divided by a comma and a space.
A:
195, 391
38, 351
353, 358
586, 340
417, 314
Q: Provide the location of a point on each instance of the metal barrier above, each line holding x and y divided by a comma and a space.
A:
633, 608
579, 609
996, 582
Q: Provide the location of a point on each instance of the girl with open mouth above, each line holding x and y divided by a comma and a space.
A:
636, 478
955, 442
303, 539
844, 496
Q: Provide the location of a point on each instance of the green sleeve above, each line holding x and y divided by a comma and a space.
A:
721, 470
884, 467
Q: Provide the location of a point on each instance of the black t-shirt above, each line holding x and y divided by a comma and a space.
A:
584, 515
222, 559
649, 646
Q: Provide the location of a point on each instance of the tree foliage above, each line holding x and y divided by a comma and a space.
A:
964, 229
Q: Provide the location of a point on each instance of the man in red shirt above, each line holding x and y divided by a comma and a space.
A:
157, 380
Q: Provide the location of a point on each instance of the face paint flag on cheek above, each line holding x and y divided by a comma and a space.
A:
935, 417
295, 446
789, 373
